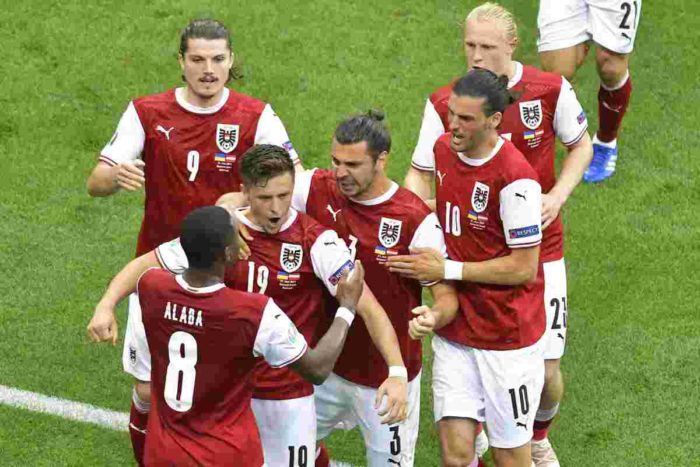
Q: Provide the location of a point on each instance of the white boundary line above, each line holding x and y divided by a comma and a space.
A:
78, 411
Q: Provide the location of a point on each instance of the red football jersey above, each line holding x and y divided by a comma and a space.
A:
203, 344
192, 155
374, 230
296, 267
547, 108
486, 207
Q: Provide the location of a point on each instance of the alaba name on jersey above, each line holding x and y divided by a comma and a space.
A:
488, 207
374, 230
192, 154
546, 109
204, 345
299, 267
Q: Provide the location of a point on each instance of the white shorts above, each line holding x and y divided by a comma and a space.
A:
287, 430
499, 387
136, 357
341, 404
610, 23
556, 304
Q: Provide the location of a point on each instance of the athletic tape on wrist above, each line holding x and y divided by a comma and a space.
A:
453, 270
345, 314
398, 371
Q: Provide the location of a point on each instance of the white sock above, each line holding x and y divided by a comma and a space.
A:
609, 144
544, 415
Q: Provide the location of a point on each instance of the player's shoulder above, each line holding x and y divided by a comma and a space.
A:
153, 276
158, 100
514, 164
442, 94
323, 178
412, 204
539, 82
245, 102
244, 302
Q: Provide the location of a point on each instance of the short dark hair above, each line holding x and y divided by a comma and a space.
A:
484, 83
204, 235
367, 127
207, 28
263, 162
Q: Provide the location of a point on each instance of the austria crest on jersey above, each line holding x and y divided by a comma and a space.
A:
290, 257
389, 232
480, 197
227, 137
531, 114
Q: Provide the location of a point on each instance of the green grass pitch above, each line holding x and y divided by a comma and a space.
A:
69, 68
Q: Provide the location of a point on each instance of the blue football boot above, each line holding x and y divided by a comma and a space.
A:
603, 164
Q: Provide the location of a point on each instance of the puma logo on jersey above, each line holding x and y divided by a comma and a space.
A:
440, 176
165, 132
333, 213
392, 461
626, 36
559, 335
518, 195
517, 424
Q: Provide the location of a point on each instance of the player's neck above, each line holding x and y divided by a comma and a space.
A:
512, 69
485, 149
381, 185
200, 278
200, 101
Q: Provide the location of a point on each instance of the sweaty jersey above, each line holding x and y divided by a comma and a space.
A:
192, 154
486, 207
204, 345
546, 109
374, 230
299, 268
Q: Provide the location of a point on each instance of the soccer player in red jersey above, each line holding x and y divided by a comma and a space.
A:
488, 364
379, 219
546, 110
297, 262
205, 339
184, 146
566, 28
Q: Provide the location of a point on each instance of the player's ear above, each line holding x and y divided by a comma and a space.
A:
495, 120
181, 61
381, 159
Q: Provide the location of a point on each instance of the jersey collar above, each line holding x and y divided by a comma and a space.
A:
517, 76
250, 224
183, 283
381, 198
480, 162
180, 98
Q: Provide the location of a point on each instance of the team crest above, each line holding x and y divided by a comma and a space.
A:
290, 257
480, 197
389, 232
227, 137
531, 113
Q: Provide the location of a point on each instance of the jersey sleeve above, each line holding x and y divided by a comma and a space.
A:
521, 213
330, 257
570, 122
278, 341
429, 234
127, 142
302, 187
172, 257
430, 130
271, 131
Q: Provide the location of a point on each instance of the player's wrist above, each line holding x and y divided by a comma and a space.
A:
398, 371
453, 270
346, 314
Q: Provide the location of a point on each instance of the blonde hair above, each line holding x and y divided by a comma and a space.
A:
490, 11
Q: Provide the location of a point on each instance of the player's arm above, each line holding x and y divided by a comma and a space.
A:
119, 166
420, 177
271, 130
571, 127
103, 324
317, 363
428, 319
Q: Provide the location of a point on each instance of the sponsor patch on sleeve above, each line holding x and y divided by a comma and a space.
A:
288, 146
335, 277
523, 232
581, 117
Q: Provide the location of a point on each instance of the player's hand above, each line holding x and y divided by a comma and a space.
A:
551, 205
103, 325
350, 286
130, 175
423, 323
424, 264
232, 202
394, 394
